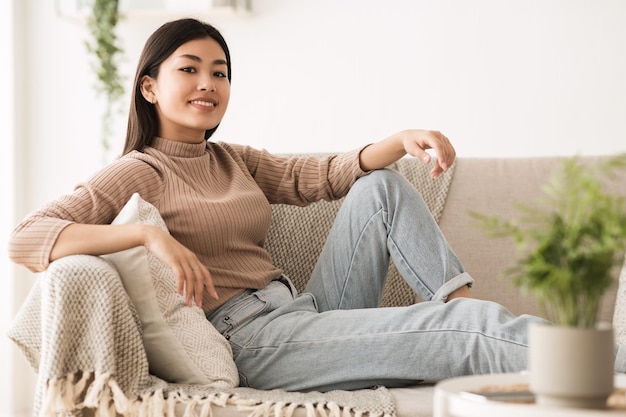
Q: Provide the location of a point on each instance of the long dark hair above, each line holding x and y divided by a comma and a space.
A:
143, 123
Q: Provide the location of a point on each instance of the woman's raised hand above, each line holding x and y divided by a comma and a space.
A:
413, 142
417, 142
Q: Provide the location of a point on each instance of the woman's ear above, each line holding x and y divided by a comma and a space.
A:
147, 85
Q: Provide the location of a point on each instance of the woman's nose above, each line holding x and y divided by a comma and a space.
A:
207, 85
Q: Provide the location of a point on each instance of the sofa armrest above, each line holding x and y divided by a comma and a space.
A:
25, 330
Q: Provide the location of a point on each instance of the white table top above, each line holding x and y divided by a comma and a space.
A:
448, 401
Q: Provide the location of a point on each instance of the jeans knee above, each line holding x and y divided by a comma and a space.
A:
382, 179
389, 187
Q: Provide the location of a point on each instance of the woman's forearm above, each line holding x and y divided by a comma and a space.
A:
191, 275
380, 154
97, 239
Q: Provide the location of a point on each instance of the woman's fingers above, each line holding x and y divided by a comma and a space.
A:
422, 140
196, 278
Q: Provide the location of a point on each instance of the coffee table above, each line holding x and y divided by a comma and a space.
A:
451, 399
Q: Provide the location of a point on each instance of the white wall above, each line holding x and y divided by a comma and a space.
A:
6, 189
16, 385
499, 77
514, 78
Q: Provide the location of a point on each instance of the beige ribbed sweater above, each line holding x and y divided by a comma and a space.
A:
214, 197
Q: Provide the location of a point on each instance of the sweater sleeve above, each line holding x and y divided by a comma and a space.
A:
300, 180
96, 201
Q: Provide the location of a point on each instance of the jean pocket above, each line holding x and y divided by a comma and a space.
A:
240, 319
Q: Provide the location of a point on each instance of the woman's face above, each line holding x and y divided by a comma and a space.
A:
191, 91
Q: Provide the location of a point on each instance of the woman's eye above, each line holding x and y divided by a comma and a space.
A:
188, 69
220, 74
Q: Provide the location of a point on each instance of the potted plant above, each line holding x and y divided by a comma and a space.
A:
104, 46
569, 246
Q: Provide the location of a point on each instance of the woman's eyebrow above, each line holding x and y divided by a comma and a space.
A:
198, 59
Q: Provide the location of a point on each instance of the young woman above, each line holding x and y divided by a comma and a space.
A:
215, 199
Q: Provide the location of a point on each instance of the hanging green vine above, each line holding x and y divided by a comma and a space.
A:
106, 50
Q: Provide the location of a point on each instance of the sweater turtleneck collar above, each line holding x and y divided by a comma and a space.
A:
179, 149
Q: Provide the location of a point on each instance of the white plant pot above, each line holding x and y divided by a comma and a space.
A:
571, 367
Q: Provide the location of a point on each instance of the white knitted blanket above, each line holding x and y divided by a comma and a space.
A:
82, 335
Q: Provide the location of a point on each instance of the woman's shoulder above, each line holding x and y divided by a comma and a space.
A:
139, 161
125, 172
246, 153
229, 152
128, 169
231, 149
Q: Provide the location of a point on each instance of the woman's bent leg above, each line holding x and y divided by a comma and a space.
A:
383, 215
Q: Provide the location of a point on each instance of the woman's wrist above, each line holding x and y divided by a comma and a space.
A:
380, 154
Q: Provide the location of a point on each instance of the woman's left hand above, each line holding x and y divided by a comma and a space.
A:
413, 142
417, 142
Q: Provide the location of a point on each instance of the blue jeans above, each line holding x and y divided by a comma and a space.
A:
333, 336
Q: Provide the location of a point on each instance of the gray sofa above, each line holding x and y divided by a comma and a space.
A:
487, 185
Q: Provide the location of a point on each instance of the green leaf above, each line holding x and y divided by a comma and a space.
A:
105, 48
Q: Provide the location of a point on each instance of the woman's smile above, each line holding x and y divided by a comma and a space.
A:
204, 104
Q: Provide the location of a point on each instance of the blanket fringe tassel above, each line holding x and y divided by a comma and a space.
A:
67, 395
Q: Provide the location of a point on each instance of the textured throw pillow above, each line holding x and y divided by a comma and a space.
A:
182, 346
619, 314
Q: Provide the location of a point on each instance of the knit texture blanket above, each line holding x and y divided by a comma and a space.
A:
81, 333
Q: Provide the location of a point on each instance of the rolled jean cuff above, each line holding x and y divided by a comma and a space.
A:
452, 285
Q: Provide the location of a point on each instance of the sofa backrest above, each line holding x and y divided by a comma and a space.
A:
493, 186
